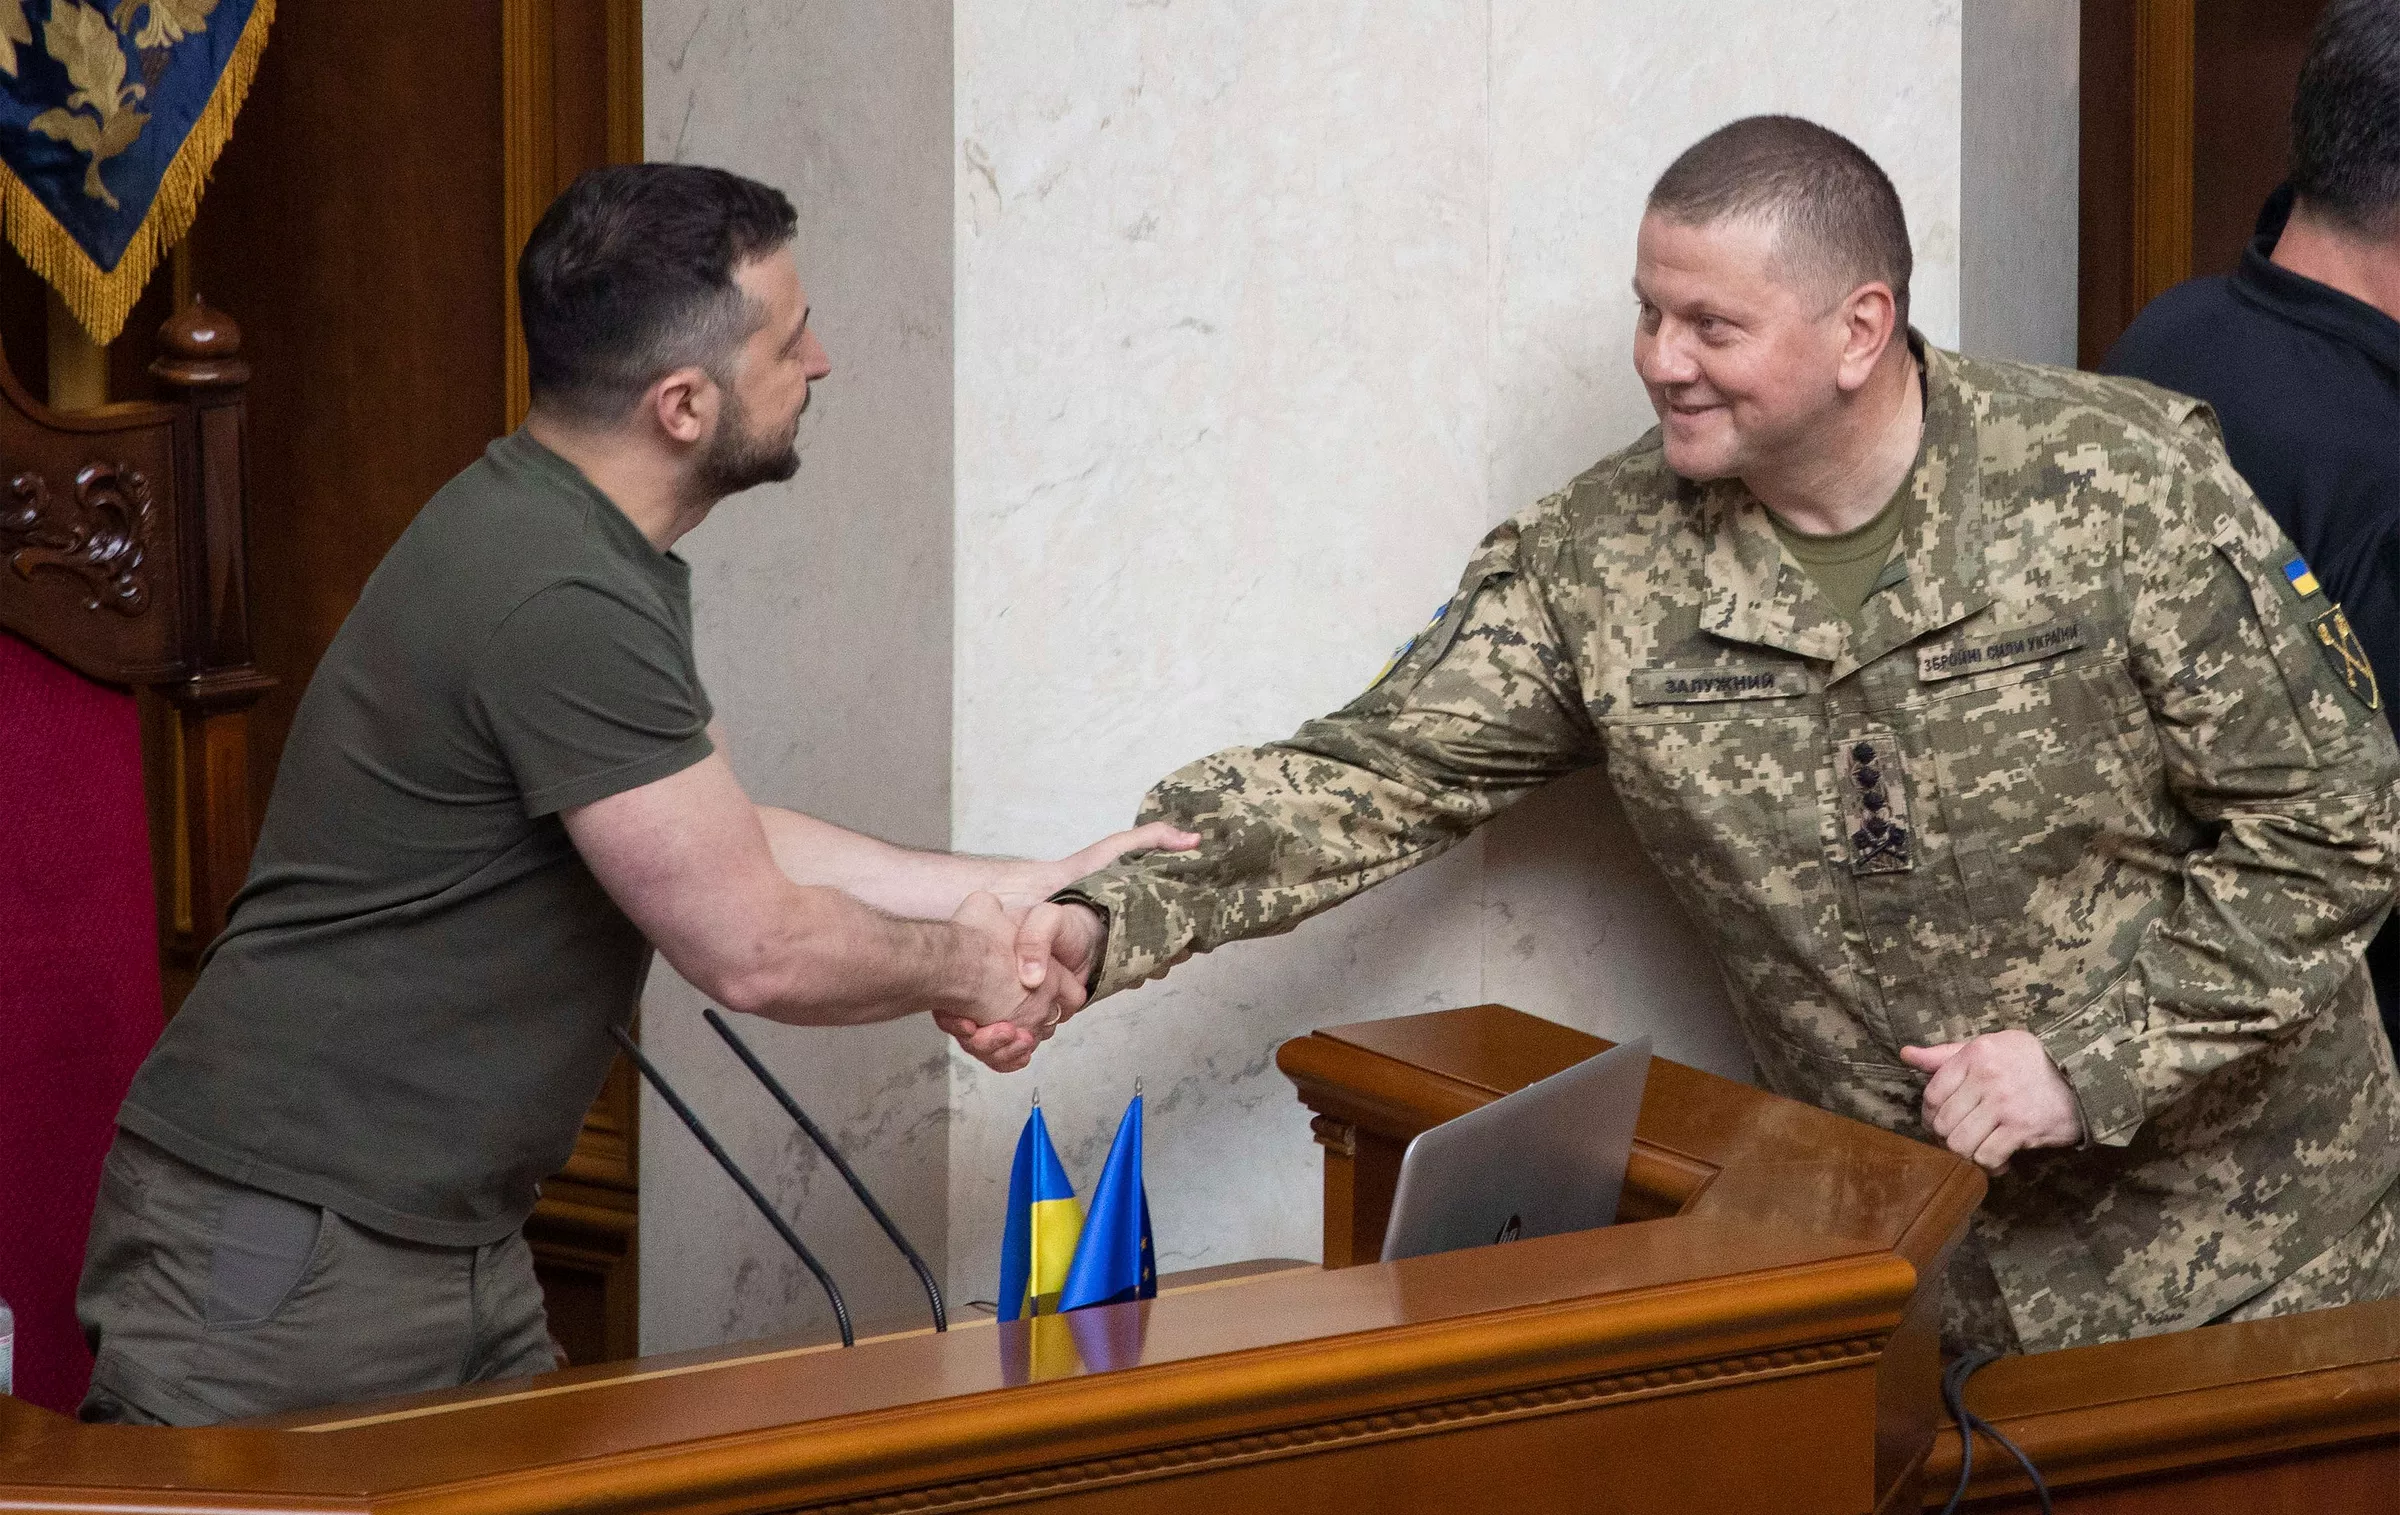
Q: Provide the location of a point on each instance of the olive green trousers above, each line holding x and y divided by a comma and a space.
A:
205, 1300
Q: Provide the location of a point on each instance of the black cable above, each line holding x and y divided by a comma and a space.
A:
1954, 1388
1954, 1398
658, 1081
858, 1186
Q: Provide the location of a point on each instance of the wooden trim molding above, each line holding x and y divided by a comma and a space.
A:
1297, 1441
528, 166
2162, 147
532, 171
625, 131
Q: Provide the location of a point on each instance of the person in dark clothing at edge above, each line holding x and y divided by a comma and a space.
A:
2298, 351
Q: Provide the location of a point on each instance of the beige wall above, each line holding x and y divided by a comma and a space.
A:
2017, 221
824, 620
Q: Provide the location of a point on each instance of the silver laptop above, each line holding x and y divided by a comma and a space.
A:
1548, 1158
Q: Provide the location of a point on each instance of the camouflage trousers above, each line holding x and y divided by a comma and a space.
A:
2363, 1263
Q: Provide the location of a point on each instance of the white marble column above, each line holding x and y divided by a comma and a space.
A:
1251, 319
823, 610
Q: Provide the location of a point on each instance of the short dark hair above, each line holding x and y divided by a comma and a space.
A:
2346, 116
629, 276
1834, 210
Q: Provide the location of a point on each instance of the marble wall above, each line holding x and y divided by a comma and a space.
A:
823, 612
1265, 315
2018, 174
1217, 334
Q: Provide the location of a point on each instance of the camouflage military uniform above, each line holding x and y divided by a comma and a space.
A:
2092, 763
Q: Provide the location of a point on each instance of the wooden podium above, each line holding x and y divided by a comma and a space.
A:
1764, 1338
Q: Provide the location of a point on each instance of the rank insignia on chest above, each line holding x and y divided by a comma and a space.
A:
2349, 659
1875, 803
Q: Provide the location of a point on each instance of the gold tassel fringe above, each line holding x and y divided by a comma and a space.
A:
102, 298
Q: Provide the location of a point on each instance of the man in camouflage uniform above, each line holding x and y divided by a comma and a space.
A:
2088, 807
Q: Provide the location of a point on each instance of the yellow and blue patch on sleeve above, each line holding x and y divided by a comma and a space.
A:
2297, 575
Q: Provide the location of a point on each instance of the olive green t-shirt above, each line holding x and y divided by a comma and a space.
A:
1846, 565
408, 1013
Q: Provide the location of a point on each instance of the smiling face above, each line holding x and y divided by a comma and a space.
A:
1744, 362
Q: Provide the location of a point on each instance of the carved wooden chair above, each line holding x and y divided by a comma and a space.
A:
122, 541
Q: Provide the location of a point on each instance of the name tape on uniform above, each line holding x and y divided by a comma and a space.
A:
1983, 651
1686, 686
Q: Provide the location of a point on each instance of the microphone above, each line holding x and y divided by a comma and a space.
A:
658, 1081
858, 1186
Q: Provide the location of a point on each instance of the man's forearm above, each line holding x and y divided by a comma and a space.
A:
900, 881
832, 960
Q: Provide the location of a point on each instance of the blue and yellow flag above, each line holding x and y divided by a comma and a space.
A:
1044, 1222
112, 112
1114, 1261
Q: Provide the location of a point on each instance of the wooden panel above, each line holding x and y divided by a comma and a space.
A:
2185, 129
2298, 1413
2135, 180
1591, 1371
354, 225
2162, 147
1703, 1362
1379, 1083
2104, 220
2246, 63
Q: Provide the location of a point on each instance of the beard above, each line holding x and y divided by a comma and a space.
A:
737, 458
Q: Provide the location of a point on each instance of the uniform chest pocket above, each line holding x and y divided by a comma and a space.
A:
2052, 784
1720, 784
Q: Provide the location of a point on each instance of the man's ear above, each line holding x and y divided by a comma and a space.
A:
1870, 320
684, 405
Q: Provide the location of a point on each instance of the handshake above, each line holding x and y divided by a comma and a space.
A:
1032, 957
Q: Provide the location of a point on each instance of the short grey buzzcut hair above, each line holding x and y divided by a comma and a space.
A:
1836, 216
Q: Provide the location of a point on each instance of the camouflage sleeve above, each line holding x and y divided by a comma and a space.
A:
1481, 709
2271, 732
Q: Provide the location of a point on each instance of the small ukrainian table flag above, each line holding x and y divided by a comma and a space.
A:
1114, 1261
1044, 1222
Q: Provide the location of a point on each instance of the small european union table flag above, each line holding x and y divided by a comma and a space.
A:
1114, 1261
1044, 1221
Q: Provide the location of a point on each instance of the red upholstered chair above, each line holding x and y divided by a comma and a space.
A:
121, 566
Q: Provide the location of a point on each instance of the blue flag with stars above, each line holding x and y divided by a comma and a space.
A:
1114, 1260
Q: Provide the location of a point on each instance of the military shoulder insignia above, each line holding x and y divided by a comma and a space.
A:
2348, 658
1407, 647
2296, 574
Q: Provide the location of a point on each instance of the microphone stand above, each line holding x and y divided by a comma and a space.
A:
858, 1186
658, 1081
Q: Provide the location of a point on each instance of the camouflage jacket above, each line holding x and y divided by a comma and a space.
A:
2098, 760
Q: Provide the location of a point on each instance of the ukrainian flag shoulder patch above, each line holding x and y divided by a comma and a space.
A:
2297, 575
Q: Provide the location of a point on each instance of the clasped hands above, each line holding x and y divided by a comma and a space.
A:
1038, 955
1995, 1095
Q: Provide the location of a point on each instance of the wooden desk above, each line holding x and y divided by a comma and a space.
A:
1709, 1360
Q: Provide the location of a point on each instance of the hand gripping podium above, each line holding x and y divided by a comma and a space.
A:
1762, 1336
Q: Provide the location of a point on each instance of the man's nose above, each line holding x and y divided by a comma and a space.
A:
812, 353
1660, 358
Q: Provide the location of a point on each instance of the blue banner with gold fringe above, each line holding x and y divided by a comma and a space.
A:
112, 112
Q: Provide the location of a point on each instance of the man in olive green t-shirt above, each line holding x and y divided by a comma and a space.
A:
500, 793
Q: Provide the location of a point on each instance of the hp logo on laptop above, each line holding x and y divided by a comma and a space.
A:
1510, 1232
